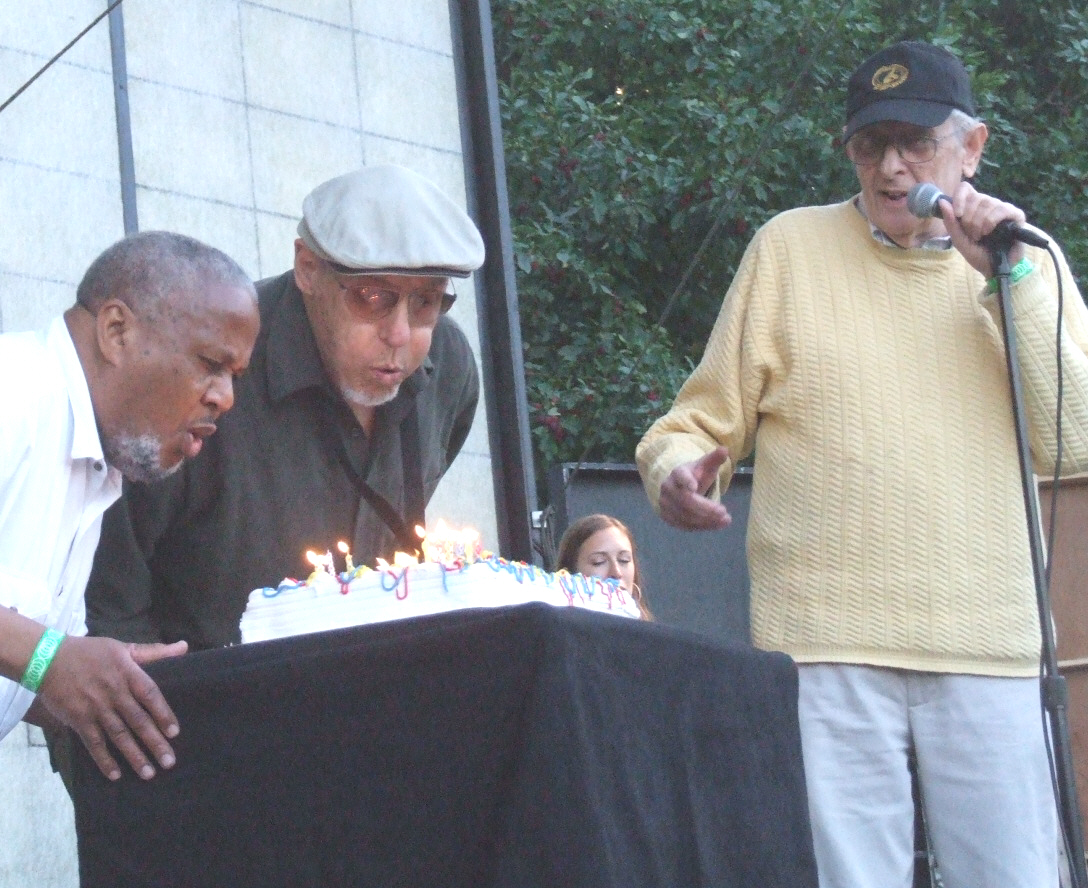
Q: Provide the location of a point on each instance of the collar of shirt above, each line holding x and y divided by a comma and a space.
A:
86, 443
293, 360
940, 242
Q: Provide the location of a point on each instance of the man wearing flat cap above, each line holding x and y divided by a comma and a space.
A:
858, 355
361, 392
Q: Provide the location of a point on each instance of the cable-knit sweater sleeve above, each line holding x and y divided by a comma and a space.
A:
1035, 316
719, 403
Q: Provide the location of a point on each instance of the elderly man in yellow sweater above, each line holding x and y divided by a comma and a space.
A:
858, 352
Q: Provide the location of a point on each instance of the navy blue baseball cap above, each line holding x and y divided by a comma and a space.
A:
910, 82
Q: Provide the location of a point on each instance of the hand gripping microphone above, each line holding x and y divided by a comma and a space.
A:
922, 200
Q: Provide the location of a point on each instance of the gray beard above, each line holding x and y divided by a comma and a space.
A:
137, 457
359, 398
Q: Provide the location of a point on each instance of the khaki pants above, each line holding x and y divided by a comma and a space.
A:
982, 771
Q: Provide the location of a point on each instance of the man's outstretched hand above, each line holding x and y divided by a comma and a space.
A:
683, 502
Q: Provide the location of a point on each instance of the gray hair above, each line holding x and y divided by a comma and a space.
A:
142, 270
963, 121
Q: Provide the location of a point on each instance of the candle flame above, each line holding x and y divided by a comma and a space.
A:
443, 544
400, 559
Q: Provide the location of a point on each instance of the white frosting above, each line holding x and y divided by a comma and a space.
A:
364, 596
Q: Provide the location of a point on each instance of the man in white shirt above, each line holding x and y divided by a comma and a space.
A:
128, 382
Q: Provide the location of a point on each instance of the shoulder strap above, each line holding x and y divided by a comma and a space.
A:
403, 528
407, 540
413, 469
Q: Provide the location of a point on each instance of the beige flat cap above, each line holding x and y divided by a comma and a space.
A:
389, 220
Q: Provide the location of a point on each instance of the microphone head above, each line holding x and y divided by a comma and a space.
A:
922, 200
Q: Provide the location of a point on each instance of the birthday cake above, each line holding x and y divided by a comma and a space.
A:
451, 577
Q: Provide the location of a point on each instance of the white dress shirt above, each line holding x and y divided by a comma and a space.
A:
54, 487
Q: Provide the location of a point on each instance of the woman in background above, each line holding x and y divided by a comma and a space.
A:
602, 546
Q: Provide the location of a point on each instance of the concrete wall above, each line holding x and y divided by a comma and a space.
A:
238, 109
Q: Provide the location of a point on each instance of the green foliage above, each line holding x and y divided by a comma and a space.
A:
596, 381
646, 140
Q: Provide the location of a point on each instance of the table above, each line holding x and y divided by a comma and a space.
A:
509, 747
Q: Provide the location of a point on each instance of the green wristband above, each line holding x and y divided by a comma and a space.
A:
48, 645
1018, 272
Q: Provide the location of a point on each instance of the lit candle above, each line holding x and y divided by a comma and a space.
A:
343, 547
321, 562
315, 560
403, 559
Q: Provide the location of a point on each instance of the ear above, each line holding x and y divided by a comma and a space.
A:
973, 144
307, 267
115, 331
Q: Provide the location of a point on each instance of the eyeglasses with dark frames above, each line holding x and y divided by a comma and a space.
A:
867, 149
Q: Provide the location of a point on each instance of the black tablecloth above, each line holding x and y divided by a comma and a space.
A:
514, 747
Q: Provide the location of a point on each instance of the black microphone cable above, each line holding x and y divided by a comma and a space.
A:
923, 201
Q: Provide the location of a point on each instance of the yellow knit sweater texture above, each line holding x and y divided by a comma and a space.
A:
887, 523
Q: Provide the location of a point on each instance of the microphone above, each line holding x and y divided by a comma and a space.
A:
923, 200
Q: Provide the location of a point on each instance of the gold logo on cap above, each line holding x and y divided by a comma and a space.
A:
889, 77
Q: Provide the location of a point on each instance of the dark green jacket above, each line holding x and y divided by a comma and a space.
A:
178, 559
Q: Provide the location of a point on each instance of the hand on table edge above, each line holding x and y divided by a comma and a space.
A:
96, 686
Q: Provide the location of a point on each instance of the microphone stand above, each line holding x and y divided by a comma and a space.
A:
1055, 694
